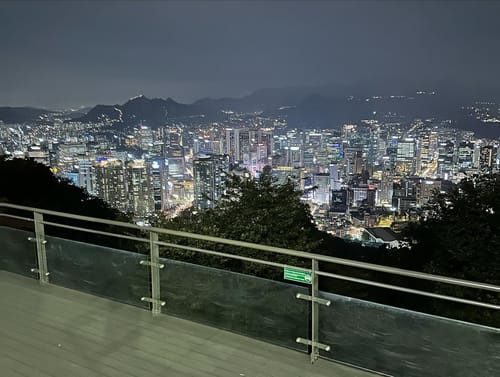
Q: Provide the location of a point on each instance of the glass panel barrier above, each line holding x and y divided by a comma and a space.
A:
17, 253
98, 270
248, 305
405, 343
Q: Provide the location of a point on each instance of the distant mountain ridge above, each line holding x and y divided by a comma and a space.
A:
156, 111
16, 115
150, 112
300, 107
321, 107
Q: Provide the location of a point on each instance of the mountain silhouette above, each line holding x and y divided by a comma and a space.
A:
302, 107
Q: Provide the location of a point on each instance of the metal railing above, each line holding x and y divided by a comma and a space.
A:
306, 275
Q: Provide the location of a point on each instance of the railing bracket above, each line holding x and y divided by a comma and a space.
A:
318, 300
307, 342
148, 263
149, 299
33, 239
37, 271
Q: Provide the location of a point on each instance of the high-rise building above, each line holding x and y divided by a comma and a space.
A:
145, 137
386, 188
86, 175
339, 201
335, 183
446, 159
426, 189
465, 155
322, 192
284, 174
159, 175
426, 152
237, 142
39, 154
140, 188
265, 136
209, 176
175, 156
68, 154
405, 158
359, 194
487, 157
110, 182
353, 160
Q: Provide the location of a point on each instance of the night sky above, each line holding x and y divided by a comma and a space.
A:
61, 54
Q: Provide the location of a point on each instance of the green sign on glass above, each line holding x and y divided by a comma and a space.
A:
290, 273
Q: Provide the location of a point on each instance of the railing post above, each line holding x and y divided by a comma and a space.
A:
42, 269
155, 273
313, 343
314, 311
155, 266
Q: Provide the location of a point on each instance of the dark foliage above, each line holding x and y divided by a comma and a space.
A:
460, 235
257, 211
31, 184
263, 212
460, 238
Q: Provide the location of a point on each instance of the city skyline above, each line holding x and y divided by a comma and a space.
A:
83, 53
312, 182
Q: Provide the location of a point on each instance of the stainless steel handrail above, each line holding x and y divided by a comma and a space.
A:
313, 273
272, 249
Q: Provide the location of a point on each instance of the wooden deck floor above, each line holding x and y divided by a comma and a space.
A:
53, 331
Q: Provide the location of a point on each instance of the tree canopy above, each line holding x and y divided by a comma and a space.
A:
257, 211
31, 184
262, 211
28, 183
460, 235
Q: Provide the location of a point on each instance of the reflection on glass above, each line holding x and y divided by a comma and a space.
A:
406, 343
17, 253
248, 305
98, 270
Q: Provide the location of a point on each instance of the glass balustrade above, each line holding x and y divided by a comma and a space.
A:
401, 342
381, 338
17, 252
252, 306
98, 270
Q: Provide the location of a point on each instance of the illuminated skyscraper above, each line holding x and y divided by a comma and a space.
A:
210, 173
140, 188
322, 192
487, 157
86, 175
67, 156
159, 175
145, 138
386, 188
110, 182
446, 159
405, 158
465, 155
426, 189
425, 152
238, 143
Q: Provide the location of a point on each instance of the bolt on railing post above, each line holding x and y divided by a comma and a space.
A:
314, 311
42, 269
313, 343
155, 273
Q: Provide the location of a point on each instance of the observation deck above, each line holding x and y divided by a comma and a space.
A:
54, 331
74, 308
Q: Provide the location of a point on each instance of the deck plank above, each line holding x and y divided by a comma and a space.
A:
51, 331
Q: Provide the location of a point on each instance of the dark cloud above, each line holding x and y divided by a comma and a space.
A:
72, 53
